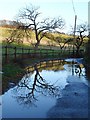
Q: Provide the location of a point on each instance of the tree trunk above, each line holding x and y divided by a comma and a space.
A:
37, 37
37, 44
77, 51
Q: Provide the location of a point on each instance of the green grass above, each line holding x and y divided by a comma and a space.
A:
11, 73
11, 70
29, 50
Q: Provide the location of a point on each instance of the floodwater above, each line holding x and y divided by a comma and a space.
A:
40, 88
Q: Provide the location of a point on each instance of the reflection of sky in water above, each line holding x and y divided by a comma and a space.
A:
58, 78
14, 109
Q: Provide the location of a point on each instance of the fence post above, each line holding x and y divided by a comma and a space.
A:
40, 52
47, 55
29, 51
15, 52
53, 53
22, 52
6, 54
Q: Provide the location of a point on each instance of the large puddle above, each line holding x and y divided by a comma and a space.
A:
40, 88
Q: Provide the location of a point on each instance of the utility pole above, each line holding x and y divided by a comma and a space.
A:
74, 32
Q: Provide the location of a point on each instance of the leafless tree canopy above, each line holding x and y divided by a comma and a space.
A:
30, 17
81, 29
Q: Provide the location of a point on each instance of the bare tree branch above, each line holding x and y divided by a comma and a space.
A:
29, 16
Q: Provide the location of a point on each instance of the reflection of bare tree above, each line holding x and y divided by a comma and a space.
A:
78, 69
28, 89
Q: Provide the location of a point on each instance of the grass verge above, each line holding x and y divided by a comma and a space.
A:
11, 73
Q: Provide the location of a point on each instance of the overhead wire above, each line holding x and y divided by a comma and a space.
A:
75, 16
74, 23
73, 7
74, 10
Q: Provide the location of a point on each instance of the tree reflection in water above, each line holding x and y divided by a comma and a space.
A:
28, 89
80, 70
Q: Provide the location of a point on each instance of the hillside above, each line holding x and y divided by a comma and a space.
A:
6, 31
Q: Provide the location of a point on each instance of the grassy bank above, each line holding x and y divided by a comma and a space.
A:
12, 73
11, 70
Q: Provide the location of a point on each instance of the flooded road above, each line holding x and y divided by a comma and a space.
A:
36, 95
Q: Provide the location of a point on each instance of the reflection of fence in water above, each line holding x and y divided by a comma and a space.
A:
47, 64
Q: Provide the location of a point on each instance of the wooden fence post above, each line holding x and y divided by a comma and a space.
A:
47, 53
53, 53
15, 52
6, 54
29, 51
40, 52
22, 52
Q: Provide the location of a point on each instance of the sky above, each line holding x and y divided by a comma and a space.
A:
48, 8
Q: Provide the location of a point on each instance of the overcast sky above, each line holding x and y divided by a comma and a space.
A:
48, 8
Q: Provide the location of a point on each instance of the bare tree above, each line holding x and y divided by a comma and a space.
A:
58, 39
81, 29
15, 36
30, 17
17, 33
62, 41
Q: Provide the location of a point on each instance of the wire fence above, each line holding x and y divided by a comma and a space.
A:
13, 53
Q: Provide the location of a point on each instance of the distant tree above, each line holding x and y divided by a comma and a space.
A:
62, 41
30, 17
81, 29
59, 40
17, 34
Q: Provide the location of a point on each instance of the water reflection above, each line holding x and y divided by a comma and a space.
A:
52, 65
41, 86
27, 90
